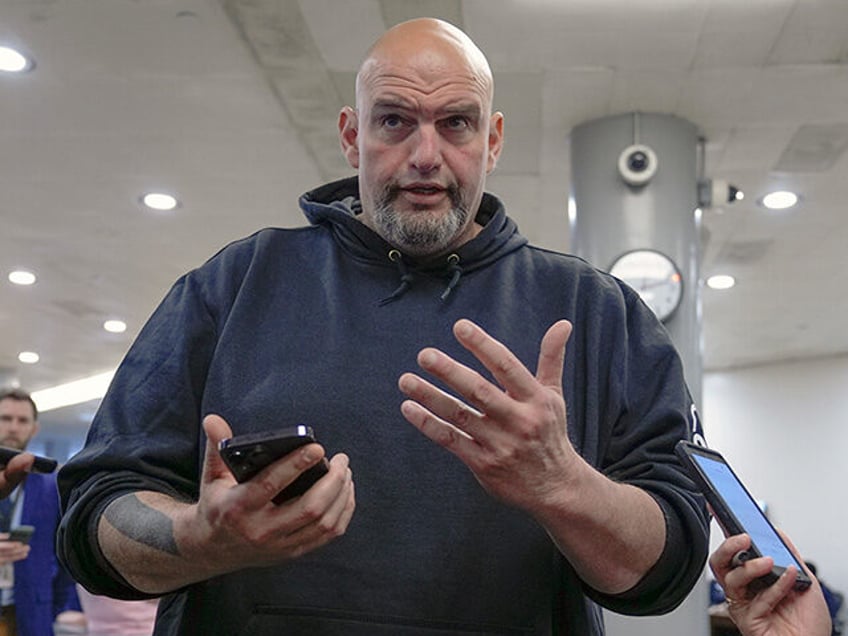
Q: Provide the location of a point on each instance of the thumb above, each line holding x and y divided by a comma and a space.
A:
216, 429
552, 355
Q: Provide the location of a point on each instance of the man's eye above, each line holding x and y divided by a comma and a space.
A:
391, 121
457, 122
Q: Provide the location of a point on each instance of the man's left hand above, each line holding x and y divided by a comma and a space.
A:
512, 435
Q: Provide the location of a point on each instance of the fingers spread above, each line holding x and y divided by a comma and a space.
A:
443, 433
440, 403
552, 355
506, 368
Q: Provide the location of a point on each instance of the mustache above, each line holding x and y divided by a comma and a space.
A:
393, 190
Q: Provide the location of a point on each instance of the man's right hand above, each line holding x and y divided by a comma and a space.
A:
12, 551
14, 472
241, 519
160, 544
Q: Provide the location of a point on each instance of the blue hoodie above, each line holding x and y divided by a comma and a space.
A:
314, 325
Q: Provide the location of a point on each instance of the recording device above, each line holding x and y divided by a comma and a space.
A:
637, 164
247, 455
737, 512
22, 534
41, 464
714, 193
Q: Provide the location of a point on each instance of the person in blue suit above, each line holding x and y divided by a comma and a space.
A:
35, 591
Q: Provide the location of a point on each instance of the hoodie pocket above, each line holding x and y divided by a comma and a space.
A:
274, 621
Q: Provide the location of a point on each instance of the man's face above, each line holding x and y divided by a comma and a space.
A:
424, 142
17, 423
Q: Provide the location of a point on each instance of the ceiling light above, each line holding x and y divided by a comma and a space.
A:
28, 357
779, 200
721, 281
21, 277
13, 62
115, 326
572, 210
159, 201
77, 392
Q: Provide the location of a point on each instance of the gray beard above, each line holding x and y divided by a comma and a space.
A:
419, 234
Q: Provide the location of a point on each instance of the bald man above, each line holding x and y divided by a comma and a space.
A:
514, 489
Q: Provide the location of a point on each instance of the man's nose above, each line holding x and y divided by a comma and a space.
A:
427, 154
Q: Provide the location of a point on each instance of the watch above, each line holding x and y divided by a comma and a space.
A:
655, 278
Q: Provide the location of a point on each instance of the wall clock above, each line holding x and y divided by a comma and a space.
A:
654, 276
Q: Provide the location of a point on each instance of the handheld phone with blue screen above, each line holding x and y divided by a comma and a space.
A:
736, 511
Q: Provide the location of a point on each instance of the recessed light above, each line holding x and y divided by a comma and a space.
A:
12, 61
21, 277
159, 201
28, 357
779, 200
721, 281
115, 326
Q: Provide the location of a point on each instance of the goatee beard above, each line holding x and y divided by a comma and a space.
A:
419, 234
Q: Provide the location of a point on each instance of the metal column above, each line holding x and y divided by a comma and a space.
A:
610, 215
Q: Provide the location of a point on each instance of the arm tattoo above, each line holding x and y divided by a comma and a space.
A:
139, 522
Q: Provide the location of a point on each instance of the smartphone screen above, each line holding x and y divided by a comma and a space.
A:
747, 511
736, 509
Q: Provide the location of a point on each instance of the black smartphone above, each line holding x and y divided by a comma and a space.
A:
248, 454
21, 533
41, 464
737, 511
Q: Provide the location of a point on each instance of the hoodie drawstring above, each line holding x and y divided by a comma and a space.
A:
406, 278
455, 272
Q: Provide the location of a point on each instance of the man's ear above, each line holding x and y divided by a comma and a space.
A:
348, 135
496, 136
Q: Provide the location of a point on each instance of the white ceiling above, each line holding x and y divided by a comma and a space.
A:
231, 105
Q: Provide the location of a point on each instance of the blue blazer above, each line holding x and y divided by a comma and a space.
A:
43, 588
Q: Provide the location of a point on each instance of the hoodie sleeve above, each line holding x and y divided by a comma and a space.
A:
653, 411
147, 433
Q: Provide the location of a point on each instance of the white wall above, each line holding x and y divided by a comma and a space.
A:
784, 429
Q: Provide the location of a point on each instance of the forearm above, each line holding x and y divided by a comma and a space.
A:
611, 533
137, 534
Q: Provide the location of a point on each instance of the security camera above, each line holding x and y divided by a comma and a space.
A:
717, 192
637, 164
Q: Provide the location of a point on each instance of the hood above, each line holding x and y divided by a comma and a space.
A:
335, 205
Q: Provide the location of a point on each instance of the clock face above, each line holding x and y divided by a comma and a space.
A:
654, 276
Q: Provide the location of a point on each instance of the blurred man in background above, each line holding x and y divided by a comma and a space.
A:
35, 590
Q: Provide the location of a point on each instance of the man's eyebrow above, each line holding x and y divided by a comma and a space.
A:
392, 104
469, 108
